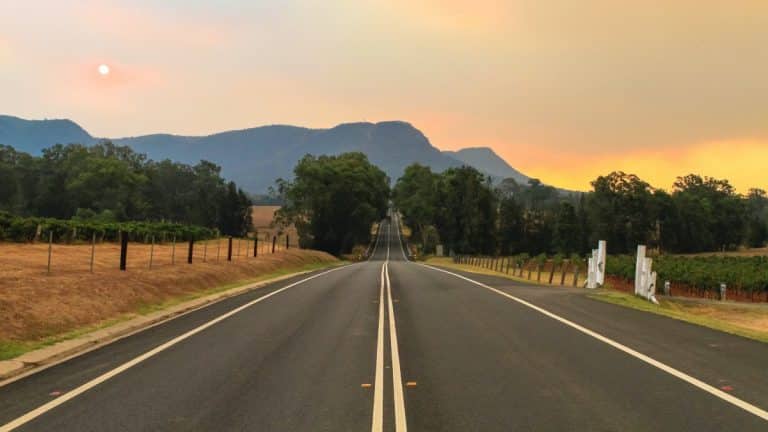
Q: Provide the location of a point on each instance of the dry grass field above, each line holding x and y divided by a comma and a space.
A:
35, 305
262, 222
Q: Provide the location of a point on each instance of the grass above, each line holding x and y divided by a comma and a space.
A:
13, 349
749, 321
448, 263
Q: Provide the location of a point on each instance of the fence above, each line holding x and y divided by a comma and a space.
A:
154, 252
560, 272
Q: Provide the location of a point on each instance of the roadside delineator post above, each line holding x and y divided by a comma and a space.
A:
723, 288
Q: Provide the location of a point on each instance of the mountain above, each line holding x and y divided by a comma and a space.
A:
255, 157
34, 135
488, 161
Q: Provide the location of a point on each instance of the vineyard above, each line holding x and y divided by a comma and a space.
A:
746, 277
20, 229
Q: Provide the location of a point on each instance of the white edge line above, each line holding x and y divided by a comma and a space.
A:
377, 424
125, 366
401, 425
746, 406
400, 240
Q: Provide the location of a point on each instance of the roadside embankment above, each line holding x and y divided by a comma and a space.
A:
40, 309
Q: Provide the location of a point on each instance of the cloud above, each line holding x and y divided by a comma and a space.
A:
151, 27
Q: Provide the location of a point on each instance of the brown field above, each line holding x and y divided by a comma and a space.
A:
37, 305
262, 222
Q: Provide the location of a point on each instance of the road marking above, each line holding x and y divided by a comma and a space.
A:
397, 379
125, 366
400, 239
366, 385
746, 406
377, 425
375, 243
410, 384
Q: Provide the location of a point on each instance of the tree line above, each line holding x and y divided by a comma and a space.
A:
462, 209
109, 183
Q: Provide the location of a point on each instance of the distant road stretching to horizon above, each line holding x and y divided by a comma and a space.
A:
393, 345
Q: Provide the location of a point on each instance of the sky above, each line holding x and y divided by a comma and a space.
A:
563, 90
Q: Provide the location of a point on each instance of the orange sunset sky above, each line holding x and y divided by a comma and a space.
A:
564, 90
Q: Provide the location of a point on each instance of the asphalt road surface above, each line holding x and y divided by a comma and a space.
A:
391, 345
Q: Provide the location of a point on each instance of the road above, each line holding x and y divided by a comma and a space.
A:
391, 345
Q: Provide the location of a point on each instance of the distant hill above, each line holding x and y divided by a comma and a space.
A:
32, 136
255, 157
488, 161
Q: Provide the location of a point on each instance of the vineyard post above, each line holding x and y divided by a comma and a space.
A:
229, 249
563, 271
151, 252
93, 250
50, 249
173, 251
123, 251
576, 274
191, 250
274, 243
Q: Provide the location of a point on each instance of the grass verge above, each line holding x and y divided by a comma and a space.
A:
448, 263
749, 321
12, 349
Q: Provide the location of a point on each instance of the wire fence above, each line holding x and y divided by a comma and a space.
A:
152, 253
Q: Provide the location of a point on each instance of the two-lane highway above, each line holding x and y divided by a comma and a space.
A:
391, 345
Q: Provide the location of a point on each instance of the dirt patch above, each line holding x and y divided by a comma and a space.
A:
36, 305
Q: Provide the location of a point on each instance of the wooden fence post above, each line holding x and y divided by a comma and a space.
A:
93, 250
191, 251
50, 249
256, 245
173, 251
123, 251
287, 242
205, 251
151, 252
229, 250
274, 242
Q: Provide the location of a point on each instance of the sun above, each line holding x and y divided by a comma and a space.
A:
103, 70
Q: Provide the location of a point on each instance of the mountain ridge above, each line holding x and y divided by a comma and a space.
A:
255, 157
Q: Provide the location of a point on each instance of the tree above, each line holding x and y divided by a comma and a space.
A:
415, 195
620, 211
567, 235
334, 200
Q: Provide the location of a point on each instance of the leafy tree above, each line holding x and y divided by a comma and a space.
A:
333, 200
567, 235
415, 195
